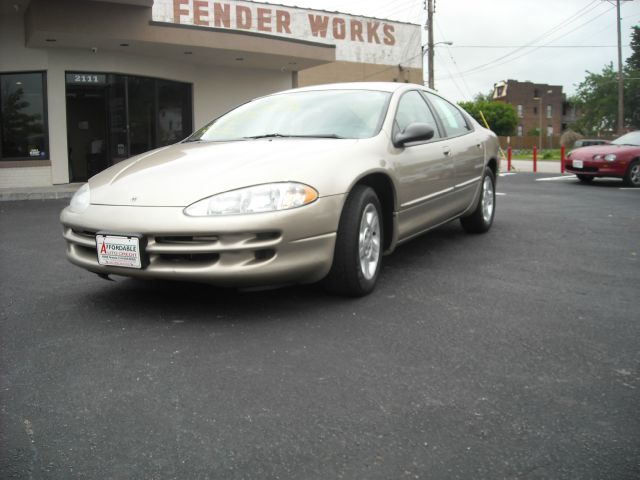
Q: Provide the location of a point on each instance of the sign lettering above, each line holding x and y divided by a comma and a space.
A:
357, 39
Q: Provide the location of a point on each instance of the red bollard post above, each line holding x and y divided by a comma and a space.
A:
562, 160
535, 159
509, 159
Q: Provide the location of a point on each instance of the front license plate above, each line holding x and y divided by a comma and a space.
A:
577, 164
118, 251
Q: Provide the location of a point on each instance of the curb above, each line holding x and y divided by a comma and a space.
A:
51, 193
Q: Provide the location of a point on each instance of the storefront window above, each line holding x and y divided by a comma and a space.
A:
111, 117
23, 119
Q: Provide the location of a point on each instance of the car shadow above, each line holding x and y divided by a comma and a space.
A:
185, 301
603, 183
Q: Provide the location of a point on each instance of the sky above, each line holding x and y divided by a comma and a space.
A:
563, 39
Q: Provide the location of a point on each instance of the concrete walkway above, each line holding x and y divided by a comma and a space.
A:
544, 166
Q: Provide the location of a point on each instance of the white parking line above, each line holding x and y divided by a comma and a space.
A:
630, 188
506, 174
500, 194
550, 179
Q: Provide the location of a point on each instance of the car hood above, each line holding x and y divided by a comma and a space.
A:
589, 152
181, 174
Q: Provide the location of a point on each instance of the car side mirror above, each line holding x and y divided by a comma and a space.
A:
415, 132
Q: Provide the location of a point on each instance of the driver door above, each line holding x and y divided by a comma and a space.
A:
425, 170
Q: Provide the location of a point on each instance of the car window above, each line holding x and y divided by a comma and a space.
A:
631, 138
337, 113
413, 109
454, 122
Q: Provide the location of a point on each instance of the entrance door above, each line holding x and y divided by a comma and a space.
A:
86, 131
111, 117
118, 133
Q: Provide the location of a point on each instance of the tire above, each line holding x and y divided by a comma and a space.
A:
632, 175
584, 178
481, 219
358, 251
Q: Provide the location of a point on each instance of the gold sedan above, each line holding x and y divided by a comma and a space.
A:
306, 185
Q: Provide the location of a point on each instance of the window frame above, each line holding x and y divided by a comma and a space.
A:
463, 114
46, 159
439, 125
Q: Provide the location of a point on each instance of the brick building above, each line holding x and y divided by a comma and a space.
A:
538, 105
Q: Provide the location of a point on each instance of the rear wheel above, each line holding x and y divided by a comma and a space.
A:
632, 175
585, 178
481, 219
358, 251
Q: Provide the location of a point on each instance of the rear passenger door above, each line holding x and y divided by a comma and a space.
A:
467, 148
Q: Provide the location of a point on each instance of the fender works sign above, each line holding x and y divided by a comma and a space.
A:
357, 39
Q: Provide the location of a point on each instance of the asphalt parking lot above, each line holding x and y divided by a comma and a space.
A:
514, 354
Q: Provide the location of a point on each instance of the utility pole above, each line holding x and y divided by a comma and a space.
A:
430, 42
620, 75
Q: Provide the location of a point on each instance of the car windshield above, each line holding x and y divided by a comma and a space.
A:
631, 138
314, 114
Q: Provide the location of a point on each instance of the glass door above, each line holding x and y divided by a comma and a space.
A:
118, 121
111, 117
141, 102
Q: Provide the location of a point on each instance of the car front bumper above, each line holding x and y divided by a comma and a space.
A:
290, 246
597, 168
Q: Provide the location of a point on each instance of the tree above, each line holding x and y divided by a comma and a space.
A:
633, 62
501, 117
632, 84
597, 95
483, 97
18, 126
597, 98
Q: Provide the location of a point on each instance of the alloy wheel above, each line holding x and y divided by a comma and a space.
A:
487, 199
369, 241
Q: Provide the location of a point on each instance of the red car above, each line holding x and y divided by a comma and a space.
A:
620, 158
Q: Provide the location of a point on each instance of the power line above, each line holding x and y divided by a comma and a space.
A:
455, 64
581, 12
495, 63
403, 6
455, 83
527, 46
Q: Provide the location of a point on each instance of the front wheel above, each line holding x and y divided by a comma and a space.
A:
632, 175
358, 251
481, 219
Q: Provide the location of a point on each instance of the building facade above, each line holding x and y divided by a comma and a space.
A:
539, 106
85, 84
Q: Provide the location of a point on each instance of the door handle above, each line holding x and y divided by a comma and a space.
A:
446, 151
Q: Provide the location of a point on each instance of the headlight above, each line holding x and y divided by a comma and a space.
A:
80, 200
610, 157
597, 157
260, 198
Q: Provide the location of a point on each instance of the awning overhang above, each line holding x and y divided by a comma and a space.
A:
127, 27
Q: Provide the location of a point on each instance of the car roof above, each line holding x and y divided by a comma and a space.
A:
379, 86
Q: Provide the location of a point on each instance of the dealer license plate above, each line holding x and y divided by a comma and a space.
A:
119, 251
577, 164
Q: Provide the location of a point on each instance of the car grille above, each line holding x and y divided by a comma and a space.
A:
195, 251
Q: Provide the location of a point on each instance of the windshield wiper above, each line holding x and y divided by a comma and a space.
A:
319, 135
267, 135
280, 135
